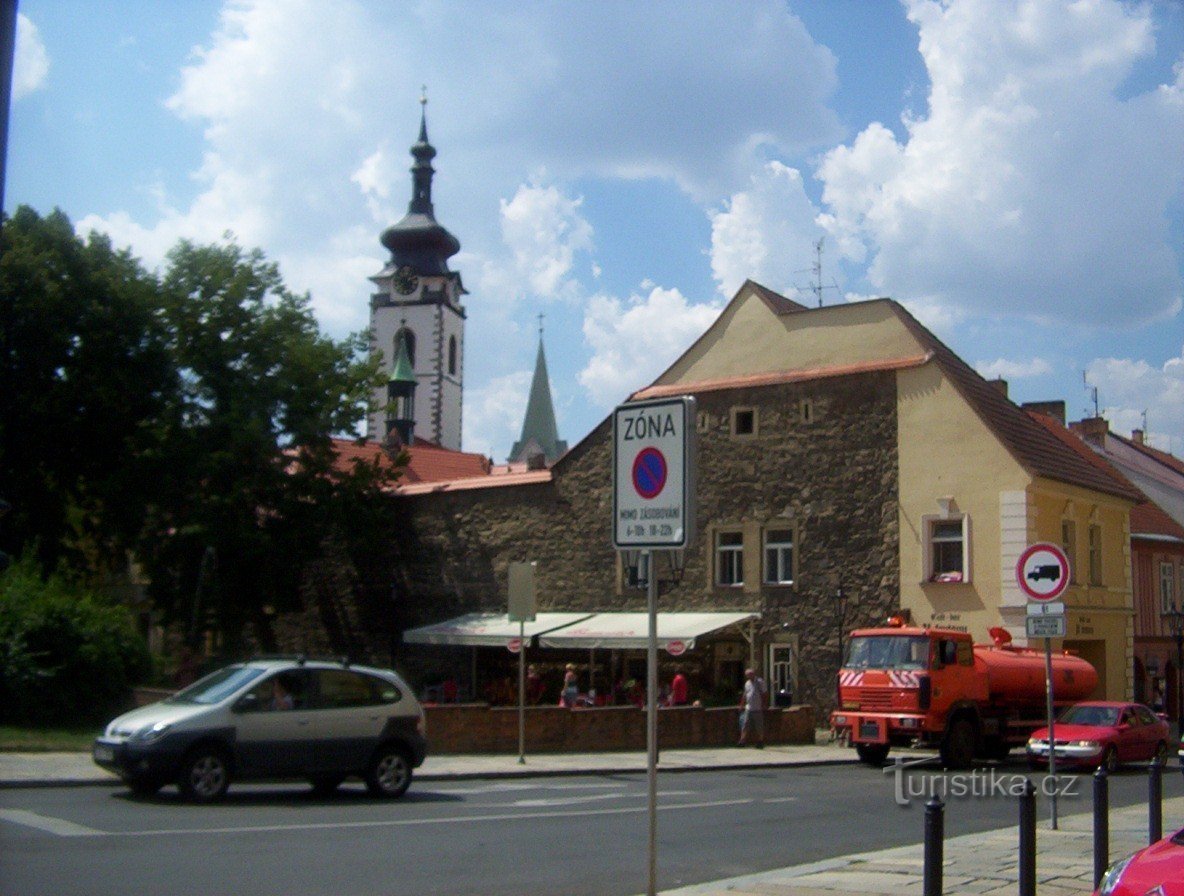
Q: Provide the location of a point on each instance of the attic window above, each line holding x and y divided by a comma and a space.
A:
744, 421
703, 422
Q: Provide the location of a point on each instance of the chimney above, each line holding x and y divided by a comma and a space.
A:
1054, 409
1137, 436
1000, 386
1092, 429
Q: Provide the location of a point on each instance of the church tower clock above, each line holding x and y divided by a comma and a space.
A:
417, 308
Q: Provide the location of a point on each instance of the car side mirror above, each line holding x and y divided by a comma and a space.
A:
247, 703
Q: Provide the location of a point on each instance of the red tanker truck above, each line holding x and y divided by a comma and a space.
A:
932, 687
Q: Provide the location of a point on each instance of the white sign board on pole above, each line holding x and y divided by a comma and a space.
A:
522, 596
1046, 626
653, 473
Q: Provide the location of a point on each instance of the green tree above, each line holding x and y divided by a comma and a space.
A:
84, 376
252, 490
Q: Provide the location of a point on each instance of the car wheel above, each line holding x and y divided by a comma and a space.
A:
389, 774
324, 785
1110, 760
205, 775
872, 754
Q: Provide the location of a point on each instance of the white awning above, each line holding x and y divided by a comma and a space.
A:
676, 631
487, 629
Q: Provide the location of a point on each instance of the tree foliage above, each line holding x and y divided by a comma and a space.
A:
185, 417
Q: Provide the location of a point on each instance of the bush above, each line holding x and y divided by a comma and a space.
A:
66, 657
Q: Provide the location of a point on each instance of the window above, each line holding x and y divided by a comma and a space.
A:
729, 558
743, 421
408, 339
1069, 545
1167, 590
452, 356
806, 409
947, 549
778, 556
341, 688
1095, 555
703, 422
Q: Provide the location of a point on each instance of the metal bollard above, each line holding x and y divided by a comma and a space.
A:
1155, 801
1101, 825
1028, 840
934, 846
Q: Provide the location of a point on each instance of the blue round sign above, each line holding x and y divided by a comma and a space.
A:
649, 472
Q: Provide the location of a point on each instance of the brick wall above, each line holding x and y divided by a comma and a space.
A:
478, 728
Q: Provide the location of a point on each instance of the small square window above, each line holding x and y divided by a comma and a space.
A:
743, 421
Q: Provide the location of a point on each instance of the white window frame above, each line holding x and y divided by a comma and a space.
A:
734, 554
1167, 586
779, 575
929, 555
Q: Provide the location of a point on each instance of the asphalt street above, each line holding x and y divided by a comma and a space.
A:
571, 835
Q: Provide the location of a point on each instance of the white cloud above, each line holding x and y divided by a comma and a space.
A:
1002, 368
765, 233
493, 414
544, 231
1029, 187
30, 64
1129, 388
634, 341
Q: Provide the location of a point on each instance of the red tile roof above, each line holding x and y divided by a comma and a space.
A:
425, 462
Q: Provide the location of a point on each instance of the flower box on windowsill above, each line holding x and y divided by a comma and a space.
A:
946, 578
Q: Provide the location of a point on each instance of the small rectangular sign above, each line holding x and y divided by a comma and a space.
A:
1046, 626
522, 596
1052, 608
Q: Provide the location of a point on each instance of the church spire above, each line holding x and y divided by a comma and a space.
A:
540, 435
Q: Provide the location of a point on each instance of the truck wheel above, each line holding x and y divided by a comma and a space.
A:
872, 754
957, 750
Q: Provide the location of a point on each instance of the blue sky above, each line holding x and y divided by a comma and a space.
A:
1010, 171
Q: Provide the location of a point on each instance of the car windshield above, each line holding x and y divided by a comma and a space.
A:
1102, 716
216, 686
888, 652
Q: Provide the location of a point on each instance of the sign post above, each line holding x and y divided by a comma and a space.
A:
521, 610
653, 510
1043, 575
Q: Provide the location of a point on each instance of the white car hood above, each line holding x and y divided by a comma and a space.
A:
171, 714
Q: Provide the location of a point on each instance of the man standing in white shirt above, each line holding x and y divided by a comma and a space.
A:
752, 710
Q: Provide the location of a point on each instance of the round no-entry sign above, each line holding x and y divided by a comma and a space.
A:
514, 645
1043, 572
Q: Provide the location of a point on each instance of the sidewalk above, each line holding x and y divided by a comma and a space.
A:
982, 864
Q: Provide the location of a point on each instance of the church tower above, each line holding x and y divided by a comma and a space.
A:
540, 442
417, 311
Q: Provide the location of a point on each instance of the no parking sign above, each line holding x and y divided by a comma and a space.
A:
653, 473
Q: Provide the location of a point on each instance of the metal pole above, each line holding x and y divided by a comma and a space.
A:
934, 847
1052, 733
521, 692
1155, 801
1101, 825
651, 737
1028, 840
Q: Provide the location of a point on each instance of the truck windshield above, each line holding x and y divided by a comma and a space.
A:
888, 652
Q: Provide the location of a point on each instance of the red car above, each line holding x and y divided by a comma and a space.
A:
1158, 869
1102, 733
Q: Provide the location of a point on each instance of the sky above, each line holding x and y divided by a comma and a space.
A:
1011, 171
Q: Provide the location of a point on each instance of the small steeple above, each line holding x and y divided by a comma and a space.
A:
540, 435
400, 394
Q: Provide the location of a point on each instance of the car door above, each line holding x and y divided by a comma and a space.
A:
274, 735
350, 717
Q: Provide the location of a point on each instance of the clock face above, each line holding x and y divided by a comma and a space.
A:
405, 280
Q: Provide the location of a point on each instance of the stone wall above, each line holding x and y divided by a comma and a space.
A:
822, 460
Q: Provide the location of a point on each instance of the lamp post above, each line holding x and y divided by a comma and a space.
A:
1175, 620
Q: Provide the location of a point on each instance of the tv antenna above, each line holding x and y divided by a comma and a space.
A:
816, 269
1093, 390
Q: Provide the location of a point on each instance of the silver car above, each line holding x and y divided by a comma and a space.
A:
272, 719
